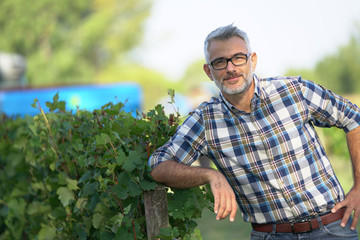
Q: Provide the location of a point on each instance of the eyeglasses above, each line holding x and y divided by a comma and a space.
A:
237, 60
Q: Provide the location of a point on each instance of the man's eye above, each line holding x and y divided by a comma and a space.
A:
238, 58
219, 61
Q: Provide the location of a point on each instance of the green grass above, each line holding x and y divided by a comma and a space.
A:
211, 229
343, 171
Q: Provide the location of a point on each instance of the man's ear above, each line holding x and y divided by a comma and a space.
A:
253, 61
207, 70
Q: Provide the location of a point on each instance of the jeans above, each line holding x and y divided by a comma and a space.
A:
330, 231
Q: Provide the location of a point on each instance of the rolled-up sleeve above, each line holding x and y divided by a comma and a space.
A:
328, 109
185, 146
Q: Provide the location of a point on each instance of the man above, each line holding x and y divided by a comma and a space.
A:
260, 135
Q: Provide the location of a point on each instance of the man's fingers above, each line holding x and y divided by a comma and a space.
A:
233, 211
222, 206
351, 203
226, 207
224, 197
216, 203
231, 208
346, 217
355, 219
337, 207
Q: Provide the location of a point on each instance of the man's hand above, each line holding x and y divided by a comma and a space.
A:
352, 204
224, 197
178, 175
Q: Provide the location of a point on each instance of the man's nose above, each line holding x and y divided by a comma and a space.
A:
230, 66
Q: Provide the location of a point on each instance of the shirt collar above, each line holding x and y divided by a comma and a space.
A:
257, 91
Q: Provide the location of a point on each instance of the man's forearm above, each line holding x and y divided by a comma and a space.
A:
351, 201
353, 140
178, 175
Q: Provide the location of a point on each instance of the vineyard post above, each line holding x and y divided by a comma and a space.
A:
156, 211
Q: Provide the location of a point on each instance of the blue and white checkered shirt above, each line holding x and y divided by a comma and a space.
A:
272, 157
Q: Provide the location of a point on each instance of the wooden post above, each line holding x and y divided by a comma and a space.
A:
156, 212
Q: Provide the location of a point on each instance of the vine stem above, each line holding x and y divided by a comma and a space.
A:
110, 151
148, 149
52, 143
118, 202
133, 225
46, 122
113, 147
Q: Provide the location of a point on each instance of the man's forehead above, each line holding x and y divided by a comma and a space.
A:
226, 48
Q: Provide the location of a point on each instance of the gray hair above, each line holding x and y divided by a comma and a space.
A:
225, 33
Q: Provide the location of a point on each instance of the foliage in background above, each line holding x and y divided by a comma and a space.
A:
81, 175
340, 71
68, 41
154, 84
80, 42
194, 76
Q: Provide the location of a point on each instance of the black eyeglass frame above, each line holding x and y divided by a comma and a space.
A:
230, 60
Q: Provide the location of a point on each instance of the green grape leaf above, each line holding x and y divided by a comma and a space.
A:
65, 195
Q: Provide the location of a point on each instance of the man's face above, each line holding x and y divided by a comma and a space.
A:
233, 79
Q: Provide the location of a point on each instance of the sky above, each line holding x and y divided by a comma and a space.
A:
284, 33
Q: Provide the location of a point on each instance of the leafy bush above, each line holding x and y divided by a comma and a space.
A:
82, 175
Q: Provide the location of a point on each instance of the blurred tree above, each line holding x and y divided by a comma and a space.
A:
196, 85
308, 74
154, 84
194, 76
70, 41
340, 71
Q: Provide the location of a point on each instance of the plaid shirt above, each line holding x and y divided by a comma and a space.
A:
272, 157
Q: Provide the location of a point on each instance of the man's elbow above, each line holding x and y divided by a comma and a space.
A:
156, 174
162, 172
